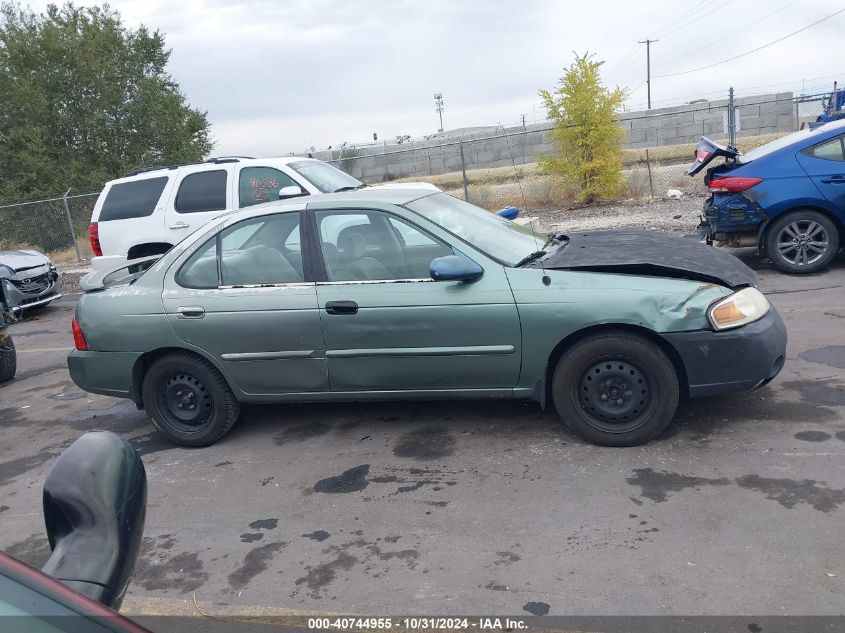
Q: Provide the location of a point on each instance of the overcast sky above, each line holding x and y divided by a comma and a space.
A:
280, 76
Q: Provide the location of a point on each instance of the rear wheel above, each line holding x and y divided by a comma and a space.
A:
802, 241
616, 389
8, 358
188, 400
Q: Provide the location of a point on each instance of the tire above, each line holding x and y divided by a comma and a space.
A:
597, 369
188, 400
8, 359
789, 245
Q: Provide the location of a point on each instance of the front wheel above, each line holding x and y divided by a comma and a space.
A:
616, 389
802, 241
188, 400
8, 358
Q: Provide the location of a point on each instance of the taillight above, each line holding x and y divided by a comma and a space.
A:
732, 184
94, 238
701, 155
78, 337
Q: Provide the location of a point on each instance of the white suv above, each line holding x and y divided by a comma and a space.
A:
148, 211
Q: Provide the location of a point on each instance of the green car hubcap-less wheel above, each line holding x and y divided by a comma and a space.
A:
185, 402
615, 396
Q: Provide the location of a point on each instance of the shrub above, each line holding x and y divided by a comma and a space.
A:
588, 139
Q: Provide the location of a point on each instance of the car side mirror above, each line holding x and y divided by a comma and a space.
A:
455, 268
95, 501
291, 191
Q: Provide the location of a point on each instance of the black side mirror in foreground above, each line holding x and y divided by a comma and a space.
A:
455, 268
95, 501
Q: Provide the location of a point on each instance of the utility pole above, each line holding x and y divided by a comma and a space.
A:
648, 44
438, 104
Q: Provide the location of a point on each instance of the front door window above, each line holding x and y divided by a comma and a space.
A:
371, 245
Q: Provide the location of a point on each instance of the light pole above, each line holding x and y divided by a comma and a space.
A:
438, 104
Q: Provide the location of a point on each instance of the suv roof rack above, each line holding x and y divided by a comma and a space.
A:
227, 159
143, 170
215, 160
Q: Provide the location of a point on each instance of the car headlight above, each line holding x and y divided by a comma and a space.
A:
740, 308
52, 266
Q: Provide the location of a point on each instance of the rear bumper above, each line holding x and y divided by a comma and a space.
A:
743, 359
106, 373
729, 215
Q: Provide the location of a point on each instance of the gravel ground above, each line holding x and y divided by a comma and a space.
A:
662, 213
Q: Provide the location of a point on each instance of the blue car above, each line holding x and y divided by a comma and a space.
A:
787, 198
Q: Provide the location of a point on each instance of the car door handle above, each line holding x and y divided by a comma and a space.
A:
180, 225
190, 312
834, 180
342, 307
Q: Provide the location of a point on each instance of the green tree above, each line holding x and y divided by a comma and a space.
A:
589, 141
83, 99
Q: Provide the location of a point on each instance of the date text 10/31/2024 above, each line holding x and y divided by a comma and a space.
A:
383, 624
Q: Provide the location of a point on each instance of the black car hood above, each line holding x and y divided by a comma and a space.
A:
648, 253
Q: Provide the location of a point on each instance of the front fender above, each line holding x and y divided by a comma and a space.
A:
575, 301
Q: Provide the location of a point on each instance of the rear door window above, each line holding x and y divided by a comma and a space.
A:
834, 149
261, 184
135, 199
202, 191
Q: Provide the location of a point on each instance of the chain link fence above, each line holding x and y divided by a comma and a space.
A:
58, 226
476, 149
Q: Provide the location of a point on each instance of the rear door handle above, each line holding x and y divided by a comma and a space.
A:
190, 312
180, 225
834, 180
342, 307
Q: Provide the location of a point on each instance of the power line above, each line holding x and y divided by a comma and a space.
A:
622, 61
742, 30
754, 50
695, 20
619, 72
683, 16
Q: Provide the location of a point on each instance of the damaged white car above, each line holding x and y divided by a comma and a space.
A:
29, 279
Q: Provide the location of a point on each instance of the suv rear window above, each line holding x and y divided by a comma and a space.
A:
202, 191
134, 199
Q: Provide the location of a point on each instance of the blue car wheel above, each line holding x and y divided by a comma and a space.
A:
802, 241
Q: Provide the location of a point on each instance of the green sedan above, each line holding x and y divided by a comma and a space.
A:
413, 294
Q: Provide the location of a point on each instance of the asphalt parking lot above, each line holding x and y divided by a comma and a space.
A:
472, 507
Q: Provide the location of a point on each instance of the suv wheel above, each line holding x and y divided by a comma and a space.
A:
8, 359
616, 389
802, 242
188, 400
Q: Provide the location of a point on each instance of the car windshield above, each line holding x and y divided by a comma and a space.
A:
502, 239
326, 178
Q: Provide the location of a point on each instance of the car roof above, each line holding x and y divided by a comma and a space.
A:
354, 199
358, 197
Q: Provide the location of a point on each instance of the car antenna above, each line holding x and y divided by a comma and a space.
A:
546, 279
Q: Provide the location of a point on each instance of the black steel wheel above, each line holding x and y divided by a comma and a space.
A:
802, 241
8, 358
615, 395
188, 400
616, 389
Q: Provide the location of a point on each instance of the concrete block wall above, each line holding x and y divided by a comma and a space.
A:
759, 114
